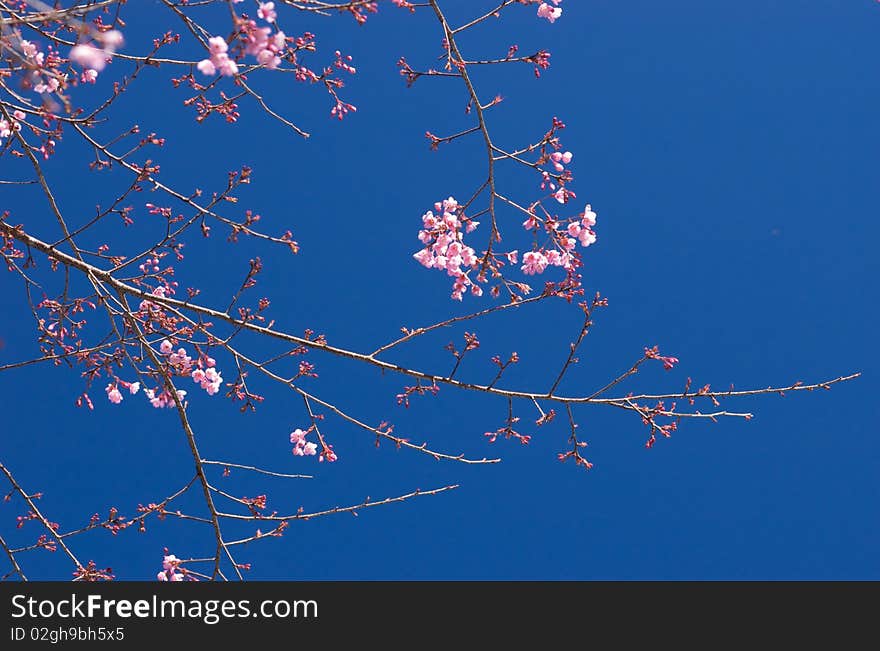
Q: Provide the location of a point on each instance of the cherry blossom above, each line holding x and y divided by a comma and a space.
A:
548, 12
534, 262
146, 305
219, 61
560, 160
171, 569
266, 11
94, 56
113, 394
209, 379
443, 236
301, 447
31, 51
261, 43
162, 398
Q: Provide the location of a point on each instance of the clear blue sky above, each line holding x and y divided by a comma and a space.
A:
730, 150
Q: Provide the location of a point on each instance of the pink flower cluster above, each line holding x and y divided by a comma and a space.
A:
266, 11
259, 42
32, 52
164, 398
46, 80
583, 230
548, 12
561, 194
301, 447
203, 371
146, 305
170, 571
443, 236
114, 395
263, 44
94, 56
7, 127
561, 160
577, 231
219, 61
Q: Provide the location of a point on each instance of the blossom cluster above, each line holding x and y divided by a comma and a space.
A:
203, 371
301, 447
44, 75
566, 236
443, 237
219, 60
114, 395
259, 42
94, 55
171, 570
8, 127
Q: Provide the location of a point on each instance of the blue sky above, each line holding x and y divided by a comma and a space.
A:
730, 151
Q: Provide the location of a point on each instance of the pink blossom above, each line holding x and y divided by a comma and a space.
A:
166, 347
88, 56
266, 11
210, 380
134, 387
328, 454
561, 195
587, 237
95, 57
206, 67
301, 447
170, 571
219, 61
163, 398
443, 237
217, 45
145, 306
296, 436
548, 12
589, 218
268, 59
534, 262
561, 160
113, 394
425, 258
29, 49
112, 39
181, 362
48, 86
